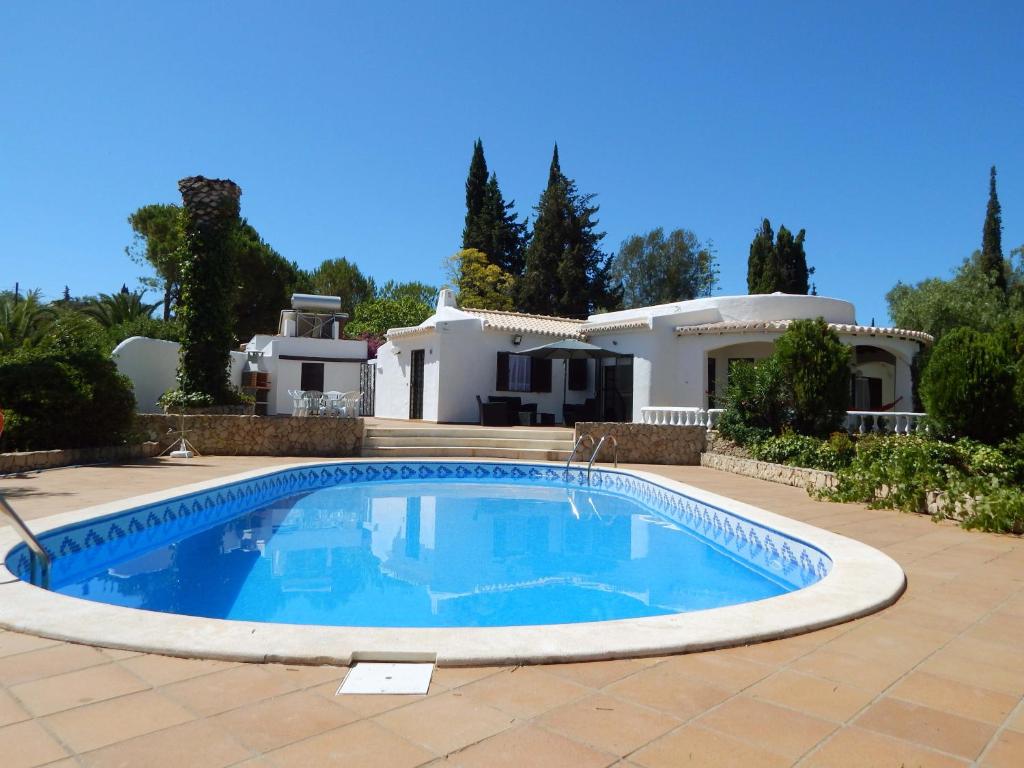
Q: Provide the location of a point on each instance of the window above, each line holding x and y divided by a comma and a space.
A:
312, 379
712, 381
578, 371
519, 373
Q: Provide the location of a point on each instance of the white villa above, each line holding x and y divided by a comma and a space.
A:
669, 355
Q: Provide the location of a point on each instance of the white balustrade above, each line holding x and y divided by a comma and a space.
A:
895, 422
861, 422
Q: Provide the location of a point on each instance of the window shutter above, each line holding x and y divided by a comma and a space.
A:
578, 370
501, 380
540, 376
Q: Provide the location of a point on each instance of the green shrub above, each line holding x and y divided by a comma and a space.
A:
64, 400
968, 388
806, 451
995, 507
815, 365
755, 402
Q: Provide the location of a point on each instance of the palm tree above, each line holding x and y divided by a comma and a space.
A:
23, 322
110, 310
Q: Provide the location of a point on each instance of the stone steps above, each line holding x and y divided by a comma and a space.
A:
439, 440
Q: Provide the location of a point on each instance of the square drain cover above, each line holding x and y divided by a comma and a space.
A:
372, 677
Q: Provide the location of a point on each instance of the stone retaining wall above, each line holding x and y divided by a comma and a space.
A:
775, 473
25, 461
258, 435
723, 445
647, 443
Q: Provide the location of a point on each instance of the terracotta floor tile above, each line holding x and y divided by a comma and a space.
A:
10, 710
163, 670
597, 674
1006, 752
524, 691
17, 642
451, 678
969, 670
767, 726
733, 673
447, 722
221, 691
873, 676
926, 726
303, 676
196, 744
816, 696
119, 653
955, 697
270, 724
26, 744
608, 724
857, 748
106, 722
1016, 721
359, 745
1003, 655
999, 628
73, 689
533, 747
774, 651
46, 662
701, 748
678, 695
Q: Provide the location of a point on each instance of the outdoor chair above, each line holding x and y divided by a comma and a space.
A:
585, 411
313, 402
333, 403
493, 414
350, 404
298, 402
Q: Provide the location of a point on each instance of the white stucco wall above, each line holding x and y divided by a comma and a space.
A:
762, 307
152, 365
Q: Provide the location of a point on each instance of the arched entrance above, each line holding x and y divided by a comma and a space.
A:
720, 360
873, 383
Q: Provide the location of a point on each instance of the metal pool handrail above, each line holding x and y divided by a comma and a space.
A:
575, 447
597, 450
39, 555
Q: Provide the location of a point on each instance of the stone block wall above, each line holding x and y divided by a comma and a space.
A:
775, 473
219, 435
26, 461
647, 443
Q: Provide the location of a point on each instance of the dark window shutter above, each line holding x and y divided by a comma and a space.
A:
501, 381
578, 374
540, 376
311, 378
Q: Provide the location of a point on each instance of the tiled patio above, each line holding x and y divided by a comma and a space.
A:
935, 680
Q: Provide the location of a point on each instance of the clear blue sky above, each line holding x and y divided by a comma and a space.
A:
350, 127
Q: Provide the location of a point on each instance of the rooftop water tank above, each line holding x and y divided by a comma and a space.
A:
313, 303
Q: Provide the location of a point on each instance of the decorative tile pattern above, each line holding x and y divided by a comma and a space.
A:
111, 538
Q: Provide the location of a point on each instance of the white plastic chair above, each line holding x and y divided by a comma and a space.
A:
314, 401
333, 403
298, 402
350, 404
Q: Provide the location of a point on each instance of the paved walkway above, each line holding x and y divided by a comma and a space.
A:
935, 680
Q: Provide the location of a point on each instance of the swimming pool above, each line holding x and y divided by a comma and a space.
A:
439, 559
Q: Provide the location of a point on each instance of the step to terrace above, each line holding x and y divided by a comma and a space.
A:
442, 441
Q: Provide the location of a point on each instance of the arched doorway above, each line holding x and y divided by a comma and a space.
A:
873, 382
720, 360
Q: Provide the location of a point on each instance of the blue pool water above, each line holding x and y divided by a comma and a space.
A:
418, 550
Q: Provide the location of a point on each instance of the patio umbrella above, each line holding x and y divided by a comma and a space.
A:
568, 349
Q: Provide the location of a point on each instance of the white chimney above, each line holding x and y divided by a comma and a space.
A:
446, 298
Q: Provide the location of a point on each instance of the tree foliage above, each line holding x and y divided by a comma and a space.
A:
159, 240
421, 293
778, 263
266, 281
375, 317
479, 283
565, 271
491, 224
340, 277
24, 321
653, 269
816, 367
991, 260
969, 386
111, 309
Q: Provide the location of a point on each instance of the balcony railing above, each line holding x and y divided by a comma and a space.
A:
857, 422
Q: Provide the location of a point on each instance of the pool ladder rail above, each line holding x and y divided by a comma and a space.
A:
40, 557
594, 453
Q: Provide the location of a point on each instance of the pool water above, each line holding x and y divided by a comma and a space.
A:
409, 553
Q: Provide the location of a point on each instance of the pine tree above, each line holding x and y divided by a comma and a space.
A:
565, 272
778, 263
992, 236
476, 187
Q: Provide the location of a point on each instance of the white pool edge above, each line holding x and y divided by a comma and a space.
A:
862, 581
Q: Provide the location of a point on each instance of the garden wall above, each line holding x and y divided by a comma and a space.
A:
647, 443
219, 435
26, 461
764, 470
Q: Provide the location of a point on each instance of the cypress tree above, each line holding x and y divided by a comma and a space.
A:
793, 262
565, 271
476, 185
497, 231
778, 263
992, 236
762, 262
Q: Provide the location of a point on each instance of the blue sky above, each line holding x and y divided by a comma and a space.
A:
350, 127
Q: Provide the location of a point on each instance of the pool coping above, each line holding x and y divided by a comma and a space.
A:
862, 580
